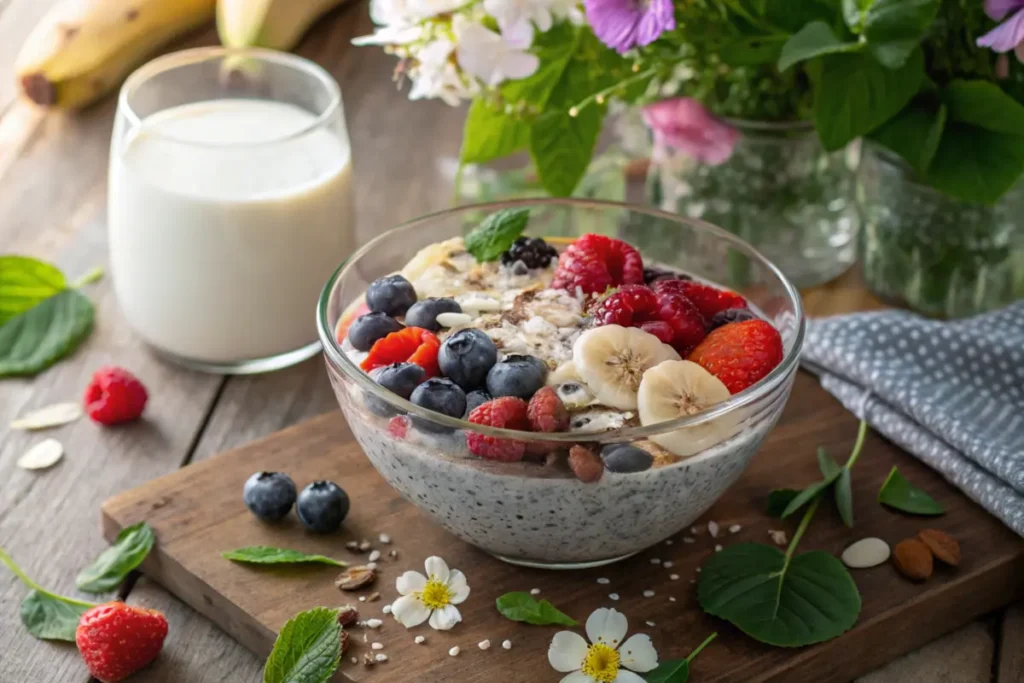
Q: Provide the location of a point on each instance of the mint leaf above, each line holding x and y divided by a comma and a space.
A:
36, 339
829, 468
787, 603
25, 282
899, 493
50, 618
779, 500
114, 564
489, 133
672, 671
307, 650
813, 40
894, 28
523, 607
975, 164
914, 133
844, 497
984, 105
262, 554
496, 233
855, 94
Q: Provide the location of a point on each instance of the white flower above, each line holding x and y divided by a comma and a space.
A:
510, 13
433, 596
424, 9
492, 57
436, 76
391, 35
600, 661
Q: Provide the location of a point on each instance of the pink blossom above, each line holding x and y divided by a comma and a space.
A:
685, 124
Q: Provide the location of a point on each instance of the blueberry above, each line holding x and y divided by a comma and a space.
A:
519, 376
475, 399
424, 313
466, 356
730, 315
392, 294
442, 396
398, 378
322, 507
269, 495
368, 328
623, 458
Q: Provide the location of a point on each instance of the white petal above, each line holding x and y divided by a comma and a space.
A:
567, 651
543, 19
516, 65
638, 653
607, 626
459, 587
518, 35
437, 569
577, 677
445, 618
410, 611
410, 582
628, 677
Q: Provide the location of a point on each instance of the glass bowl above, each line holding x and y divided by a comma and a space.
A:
538, 513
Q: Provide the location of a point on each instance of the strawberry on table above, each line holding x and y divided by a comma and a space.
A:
740, 354
708, 300
596, 262
116, 639
411, 345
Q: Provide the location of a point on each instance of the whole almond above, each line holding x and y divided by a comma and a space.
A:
945, 548
585, 464
354, 578
913, 559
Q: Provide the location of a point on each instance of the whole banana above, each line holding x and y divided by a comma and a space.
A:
82, 49
275, 24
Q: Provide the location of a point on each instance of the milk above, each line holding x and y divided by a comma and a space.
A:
226, 219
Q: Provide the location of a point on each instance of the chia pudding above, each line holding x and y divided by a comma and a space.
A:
582, 350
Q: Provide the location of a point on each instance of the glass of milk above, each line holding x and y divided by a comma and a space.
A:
229, 205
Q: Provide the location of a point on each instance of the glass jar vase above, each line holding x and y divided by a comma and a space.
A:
780, 190
938, 255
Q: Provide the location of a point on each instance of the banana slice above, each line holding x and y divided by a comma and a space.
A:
678, 388
566, 372
612, 360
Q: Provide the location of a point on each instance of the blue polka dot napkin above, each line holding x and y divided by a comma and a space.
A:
949, 392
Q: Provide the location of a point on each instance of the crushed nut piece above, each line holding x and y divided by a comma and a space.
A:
355, 578
348, 615
364, 546
778, 536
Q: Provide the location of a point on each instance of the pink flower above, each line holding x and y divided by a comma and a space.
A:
685, 124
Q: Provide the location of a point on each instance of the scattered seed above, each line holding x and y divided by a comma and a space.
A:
454, 652
668, 542
668, 565
603, 581
385, 539
374, 623
778, 537
693, 530
381, 657
352, 545
484, 645
713, 529
534, 591
368, 659
674, 577
613, 596
364, 546
718, 548
698, 570
655, 560
735, 529
365, 639
355, 660
671, 599
50, 416
650, 623
44, 454
419, 640
693, 580
374, 556
865, 553
648, 594
687, 539
374, 597
507, 644
377, 646
355, 578
387, 609
393, 554
362, 598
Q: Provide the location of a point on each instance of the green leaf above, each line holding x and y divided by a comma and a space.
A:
853, 13
810, 599
813, 40
25, 282
805, 497
844, 497
262, 554
829, 468
115, 563
855, 94
914, 133
673, 671
899, 493
36, 339
779, 500
50, 618
753, 50
554, 48
307, 650
894, 28
975, 164
496, 233
790, 16
984, 105
523, 607
489, 133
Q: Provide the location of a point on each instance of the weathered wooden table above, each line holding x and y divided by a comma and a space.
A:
52, 205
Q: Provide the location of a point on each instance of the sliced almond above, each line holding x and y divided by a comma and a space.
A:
44, 454
354, 578
50, 416
945, 548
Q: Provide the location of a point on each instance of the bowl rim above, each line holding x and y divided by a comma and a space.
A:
763, 387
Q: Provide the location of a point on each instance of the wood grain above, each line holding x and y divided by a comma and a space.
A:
195, 521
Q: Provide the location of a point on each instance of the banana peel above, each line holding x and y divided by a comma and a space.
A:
82, 49
274, 24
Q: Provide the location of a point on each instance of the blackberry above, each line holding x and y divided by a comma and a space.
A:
730, 315
534, 252
652, 275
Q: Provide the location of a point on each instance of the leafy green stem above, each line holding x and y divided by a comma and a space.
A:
700, 648
89, 278
600, 96
800, 530
858, 445
6, 559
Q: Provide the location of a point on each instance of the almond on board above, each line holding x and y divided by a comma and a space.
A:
913, 559
945, 548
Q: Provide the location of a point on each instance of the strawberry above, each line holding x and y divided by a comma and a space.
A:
708, 300
114, 395
506, 412
116, 639
596, 262
411, 345
740, 354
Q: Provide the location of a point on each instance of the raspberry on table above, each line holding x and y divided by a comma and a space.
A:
596, 262
740, 353
709, 300
546, 412
411, 345
506, 412
114, 395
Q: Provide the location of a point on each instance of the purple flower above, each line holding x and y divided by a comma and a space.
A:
624, 24
684, 123
1009, 35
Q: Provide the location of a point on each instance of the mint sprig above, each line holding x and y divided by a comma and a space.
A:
677, 670
47, 615
262, 554
900, 494
496, 233
523, 607
116, 562
307, 650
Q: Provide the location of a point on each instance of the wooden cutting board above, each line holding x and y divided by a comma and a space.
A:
197, 512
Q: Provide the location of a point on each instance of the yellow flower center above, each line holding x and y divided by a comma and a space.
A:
602, 663
435, 594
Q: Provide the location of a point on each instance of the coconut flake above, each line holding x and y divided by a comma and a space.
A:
50, 416
44, 454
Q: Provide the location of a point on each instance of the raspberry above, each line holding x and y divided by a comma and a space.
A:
628, 306
398, 426
411, 345
114, 395
686, 321
740, 353
546, 412
660, 329
709, 300
585, 464
506, 412
116, 640
596, 262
